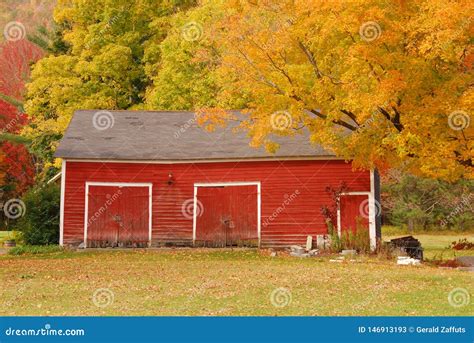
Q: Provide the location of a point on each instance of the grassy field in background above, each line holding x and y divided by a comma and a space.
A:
4, 235
436, 244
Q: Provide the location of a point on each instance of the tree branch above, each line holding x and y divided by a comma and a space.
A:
335, 121
351, 115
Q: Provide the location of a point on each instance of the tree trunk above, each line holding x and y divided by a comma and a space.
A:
411, 224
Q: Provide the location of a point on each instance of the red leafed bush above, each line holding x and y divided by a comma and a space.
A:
15, 62
462, 244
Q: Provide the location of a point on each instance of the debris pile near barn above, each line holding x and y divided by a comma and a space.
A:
406, 260
308, 251
408, 245
298, 251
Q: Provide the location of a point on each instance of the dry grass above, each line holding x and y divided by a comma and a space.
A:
217, 282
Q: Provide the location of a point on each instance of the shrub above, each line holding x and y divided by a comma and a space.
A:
356, 240
35, 249
40, 224
351, 240
334, 237
462, 244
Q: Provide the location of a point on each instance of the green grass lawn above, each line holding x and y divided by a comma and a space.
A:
4, 235
217, 282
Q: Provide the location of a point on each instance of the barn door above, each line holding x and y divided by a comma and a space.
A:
117, 216
354, 212
227, 216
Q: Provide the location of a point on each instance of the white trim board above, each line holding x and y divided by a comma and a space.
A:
260, 159
235, 184
119, 184
372, 212
61, 210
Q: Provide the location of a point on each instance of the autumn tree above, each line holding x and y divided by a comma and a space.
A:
105, 65
15, 60
186, 77
384, 83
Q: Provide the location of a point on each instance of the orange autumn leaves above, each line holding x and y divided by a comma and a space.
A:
387, 84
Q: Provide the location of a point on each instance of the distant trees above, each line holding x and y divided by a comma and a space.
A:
425, 203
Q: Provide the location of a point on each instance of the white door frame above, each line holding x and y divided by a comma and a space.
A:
372, 234
118, 184
225, 184
373, 209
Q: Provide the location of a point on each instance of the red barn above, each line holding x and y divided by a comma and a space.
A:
137, 178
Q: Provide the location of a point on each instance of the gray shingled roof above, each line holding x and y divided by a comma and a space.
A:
165, 136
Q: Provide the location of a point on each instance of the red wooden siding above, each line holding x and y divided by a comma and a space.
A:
292, 193
117, 216
354, 212
227, 216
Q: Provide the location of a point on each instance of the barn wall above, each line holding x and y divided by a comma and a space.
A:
301, 183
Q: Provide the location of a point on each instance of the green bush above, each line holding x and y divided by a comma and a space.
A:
40, 224
35, 249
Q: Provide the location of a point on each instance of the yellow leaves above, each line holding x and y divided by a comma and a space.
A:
392, 84
272, 147
57, 163
394, 69
211, 118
